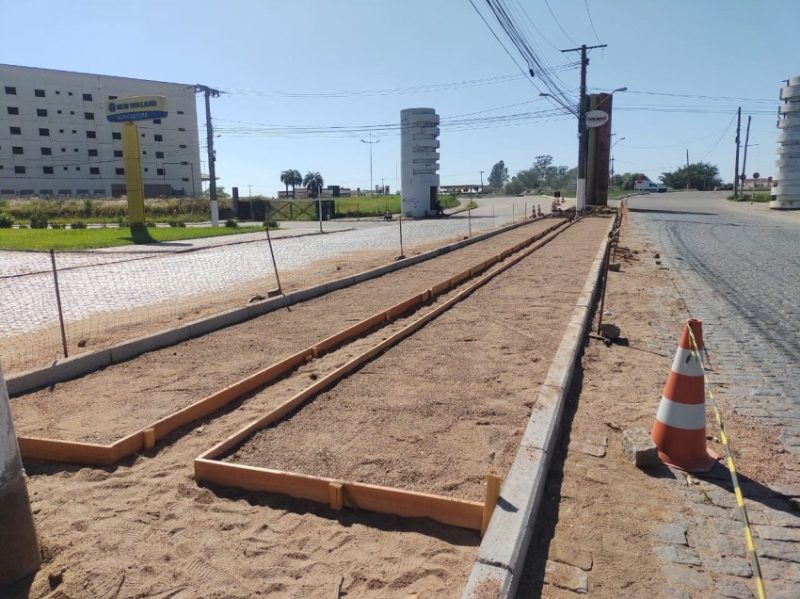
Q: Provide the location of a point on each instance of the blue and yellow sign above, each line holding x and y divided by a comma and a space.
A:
136, 108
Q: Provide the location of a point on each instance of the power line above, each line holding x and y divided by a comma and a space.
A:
552, 14
591, 22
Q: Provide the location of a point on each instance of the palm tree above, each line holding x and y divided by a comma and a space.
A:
296, 179
313, 182
287, 178
291, 177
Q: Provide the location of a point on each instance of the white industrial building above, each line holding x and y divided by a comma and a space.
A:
786, 183
55, 140
419, 161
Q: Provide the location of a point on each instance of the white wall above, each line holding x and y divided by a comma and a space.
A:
68, 126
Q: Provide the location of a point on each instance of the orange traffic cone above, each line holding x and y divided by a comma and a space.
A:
679, 431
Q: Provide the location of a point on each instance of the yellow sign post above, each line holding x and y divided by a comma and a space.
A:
126, 111
134, 183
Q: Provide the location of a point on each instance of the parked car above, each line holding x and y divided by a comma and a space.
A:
649, 186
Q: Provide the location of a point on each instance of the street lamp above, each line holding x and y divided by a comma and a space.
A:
611, 178
370, 142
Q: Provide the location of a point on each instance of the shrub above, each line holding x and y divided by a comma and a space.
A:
39, 220
272, 224
57, 225
88, 208
150, 224
176, 222
78, 224
231, 224
5, 221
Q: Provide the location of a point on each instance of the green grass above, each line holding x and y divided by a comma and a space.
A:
83, 239
760, 196
373, 206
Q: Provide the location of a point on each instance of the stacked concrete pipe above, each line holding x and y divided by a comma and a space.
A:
786, 186
19, 556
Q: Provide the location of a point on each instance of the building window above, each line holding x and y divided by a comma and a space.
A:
119, 171
11, 91
180, 112
17, 150
159, 171
185, 179
116, 135
45, 192
44, 131
63, 149
159, 154
74, 131
87, 97
41, 112
144, 152
66, 167
117, 153
156, 121
91, 134
61, 131
158, 137
15, 130
89, 116
92, 152
13, 110
72, 111
181, 128
47, 152
39, 93
94, 170
77, 168
69, 93
48, 170
19, 170
58, 112
182, 146
146, 169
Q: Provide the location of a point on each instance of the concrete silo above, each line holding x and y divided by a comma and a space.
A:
419, 161
786, 180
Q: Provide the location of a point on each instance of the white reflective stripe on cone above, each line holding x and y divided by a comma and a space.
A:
689, 417
686, 363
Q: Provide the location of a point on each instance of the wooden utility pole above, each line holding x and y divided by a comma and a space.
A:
736, 166
212, 157
746, 144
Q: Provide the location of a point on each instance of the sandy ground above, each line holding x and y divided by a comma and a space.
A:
441, 409
599, 511
106, 405
145, 529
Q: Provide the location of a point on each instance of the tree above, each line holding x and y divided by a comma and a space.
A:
291, 177
627, 181
313, 182
499, 175
697, 175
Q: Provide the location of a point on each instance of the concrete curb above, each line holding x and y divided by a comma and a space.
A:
501, 556
81, 364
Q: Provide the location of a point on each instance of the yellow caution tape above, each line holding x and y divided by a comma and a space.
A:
748, 534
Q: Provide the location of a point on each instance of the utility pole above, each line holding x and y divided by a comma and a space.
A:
580, 195
611, 179
481, 181
212, 171
249, 191
383, 187
370, 142
736, 166
687, 169
746, 144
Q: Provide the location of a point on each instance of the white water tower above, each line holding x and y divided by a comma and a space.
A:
786, 181
419, 161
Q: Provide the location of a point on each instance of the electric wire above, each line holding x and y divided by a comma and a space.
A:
591, 21
552, 14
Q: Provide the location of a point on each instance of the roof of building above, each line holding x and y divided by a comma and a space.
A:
16, 66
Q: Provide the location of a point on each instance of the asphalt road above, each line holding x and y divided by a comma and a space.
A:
740, 268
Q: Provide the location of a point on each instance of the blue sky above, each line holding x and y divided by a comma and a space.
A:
260, 51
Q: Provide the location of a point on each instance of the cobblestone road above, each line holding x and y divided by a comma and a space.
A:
127, 278
738, 269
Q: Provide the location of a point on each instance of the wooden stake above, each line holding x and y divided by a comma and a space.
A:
335, 493
149, 438
492, 495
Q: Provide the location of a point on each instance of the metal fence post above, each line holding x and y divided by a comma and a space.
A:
58, 303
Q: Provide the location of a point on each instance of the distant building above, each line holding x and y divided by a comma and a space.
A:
419, 161
55, 140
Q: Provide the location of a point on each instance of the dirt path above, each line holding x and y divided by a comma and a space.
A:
106, 405
145, 529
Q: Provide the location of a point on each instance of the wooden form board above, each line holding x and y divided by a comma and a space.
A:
336, 493
102, 455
